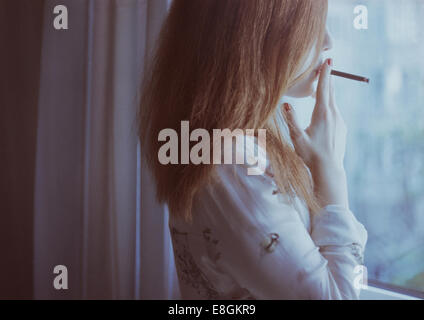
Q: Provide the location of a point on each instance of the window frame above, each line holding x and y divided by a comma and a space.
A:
381, 291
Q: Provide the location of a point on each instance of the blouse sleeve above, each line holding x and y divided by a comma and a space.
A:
268, 250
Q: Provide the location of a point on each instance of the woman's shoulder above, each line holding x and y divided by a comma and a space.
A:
239, 197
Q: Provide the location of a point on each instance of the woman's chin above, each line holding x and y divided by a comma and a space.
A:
306, 90
312, 90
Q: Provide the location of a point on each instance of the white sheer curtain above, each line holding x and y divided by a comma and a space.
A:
94, 203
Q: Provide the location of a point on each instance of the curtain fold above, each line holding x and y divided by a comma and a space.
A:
20, 32
94, 211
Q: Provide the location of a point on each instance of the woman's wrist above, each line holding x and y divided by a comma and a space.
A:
330, 185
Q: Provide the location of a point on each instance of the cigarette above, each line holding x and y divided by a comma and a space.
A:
350, 76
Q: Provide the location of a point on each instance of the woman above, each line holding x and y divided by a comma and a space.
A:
287, 233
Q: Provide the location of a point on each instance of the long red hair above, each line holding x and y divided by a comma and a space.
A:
226, 64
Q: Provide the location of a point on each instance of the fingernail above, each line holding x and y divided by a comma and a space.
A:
330, 62
287, 107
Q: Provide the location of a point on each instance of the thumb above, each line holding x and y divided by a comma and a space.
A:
294, 128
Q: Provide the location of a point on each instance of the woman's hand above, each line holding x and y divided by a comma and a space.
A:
322, 145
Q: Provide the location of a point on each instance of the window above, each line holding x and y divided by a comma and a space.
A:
385, 152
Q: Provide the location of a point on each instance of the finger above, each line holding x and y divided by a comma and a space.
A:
333, 104
294, 128
324, 85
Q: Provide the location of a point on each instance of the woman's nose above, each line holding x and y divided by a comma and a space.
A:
328, 41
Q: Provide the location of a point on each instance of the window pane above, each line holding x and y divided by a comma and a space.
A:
385, 154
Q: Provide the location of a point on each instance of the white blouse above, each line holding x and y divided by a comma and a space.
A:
248, 242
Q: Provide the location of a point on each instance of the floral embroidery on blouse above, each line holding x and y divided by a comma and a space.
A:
358, 252
191, 274
270, 242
